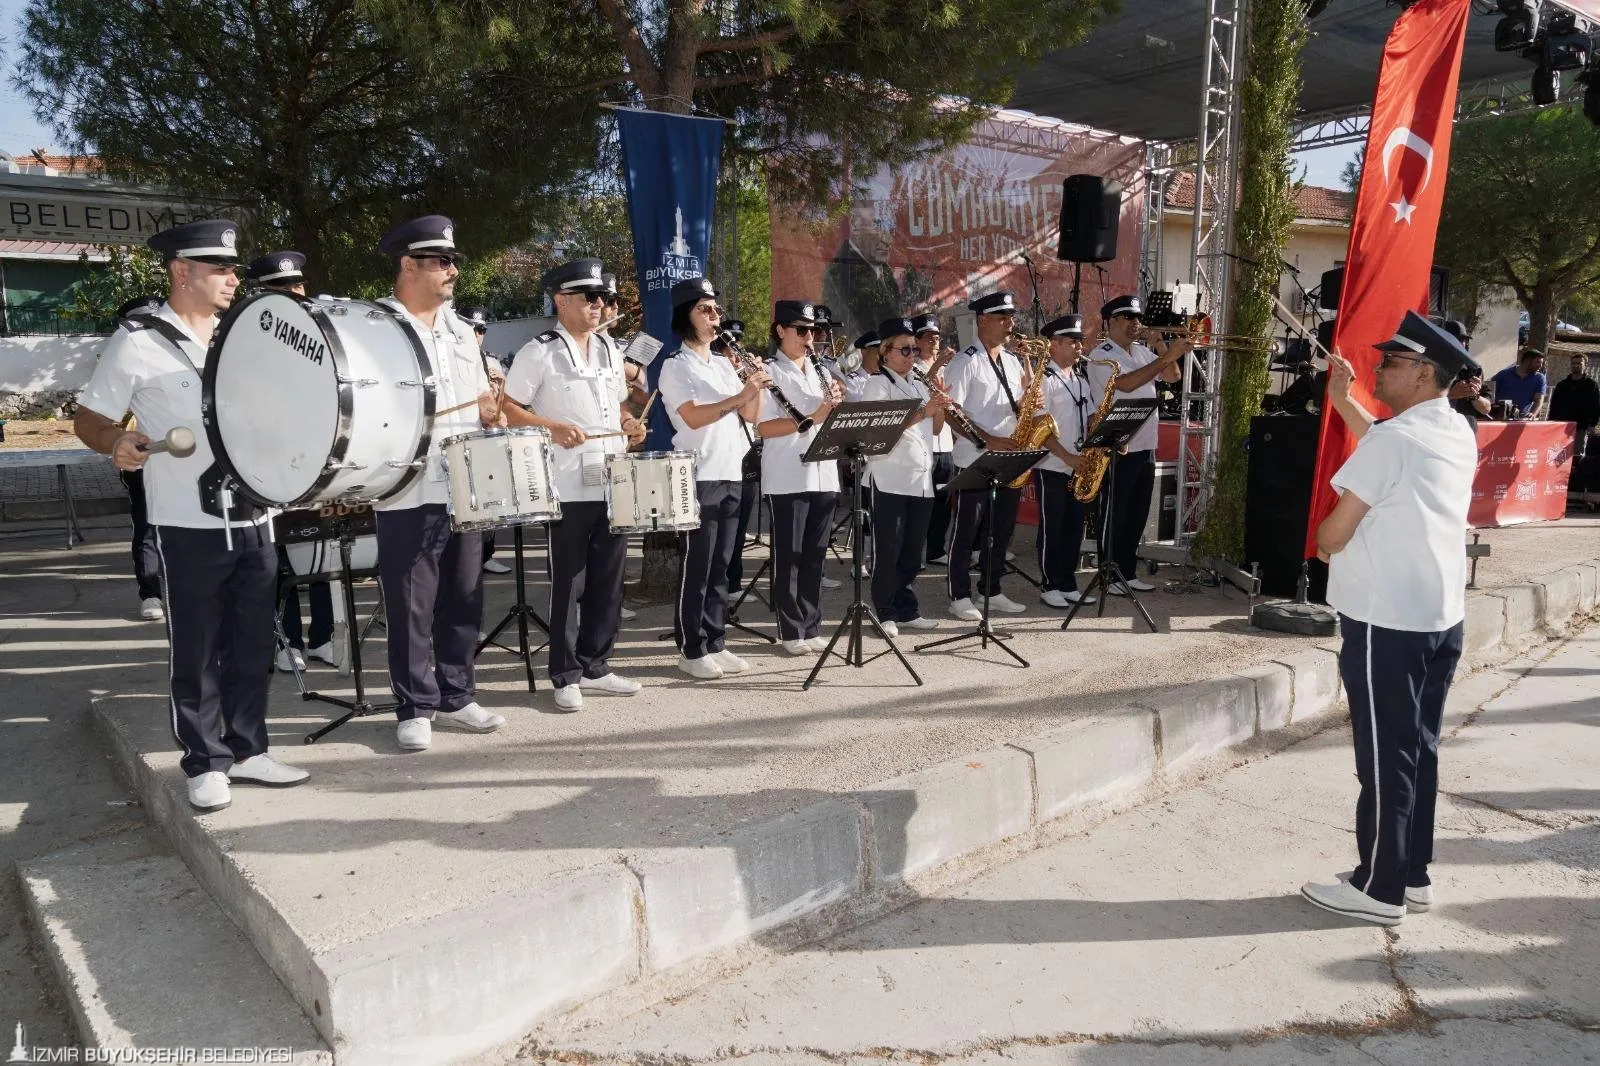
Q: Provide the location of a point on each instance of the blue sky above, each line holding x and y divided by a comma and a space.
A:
21, 132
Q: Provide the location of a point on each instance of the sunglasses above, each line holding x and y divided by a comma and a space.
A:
711, 310
805, 331
902, 349
443, 261
587, 297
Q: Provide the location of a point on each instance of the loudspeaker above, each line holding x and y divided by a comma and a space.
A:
1091, 211
1283, 460
1328, 290
1325, 333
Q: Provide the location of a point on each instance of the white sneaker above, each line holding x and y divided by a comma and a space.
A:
939, 560
610, 683
831, 583
965, 610
705, 668
209, 791
1057, 598
414, 734
569, 698
470, 719
150, 610
729, 662
1001, 603
263, 769
920, 622
1080, 597
289, 659
1138, 585
628, 614
1344, 898
495, 566
1419, 900
890, 629
798, 647
1011, 556
325, 652
818, 643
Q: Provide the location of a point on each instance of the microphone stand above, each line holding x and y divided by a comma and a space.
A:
1033, 282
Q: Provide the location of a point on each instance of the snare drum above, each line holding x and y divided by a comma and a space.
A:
315, 401
647, 492
500, 477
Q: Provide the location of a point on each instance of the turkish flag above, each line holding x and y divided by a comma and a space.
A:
1390, 257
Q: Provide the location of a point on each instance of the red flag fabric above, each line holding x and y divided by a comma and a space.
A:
1396, 218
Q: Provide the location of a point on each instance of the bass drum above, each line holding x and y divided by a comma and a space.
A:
317, 401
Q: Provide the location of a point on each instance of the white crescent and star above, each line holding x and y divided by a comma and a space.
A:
1401, 137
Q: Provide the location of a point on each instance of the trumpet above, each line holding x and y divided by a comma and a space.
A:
746, 366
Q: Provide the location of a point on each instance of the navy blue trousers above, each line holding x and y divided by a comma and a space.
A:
586, 562
1058, 542
899, 531
1396, 683
699, 624
432, 581
801, 522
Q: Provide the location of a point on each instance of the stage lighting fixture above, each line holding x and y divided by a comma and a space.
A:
1520, 27
1546, 86
1567, 51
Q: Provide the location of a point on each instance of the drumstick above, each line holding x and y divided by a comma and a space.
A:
457, 407
648, 403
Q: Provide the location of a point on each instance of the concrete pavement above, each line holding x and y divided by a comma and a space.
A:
1173, 933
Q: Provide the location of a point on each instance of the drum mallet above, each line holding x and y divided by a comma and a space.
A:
178, 443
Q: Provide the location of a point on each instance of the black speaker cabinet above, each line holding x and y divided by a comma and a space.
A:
1438, 290
1283, 456
1091, 211
1328, 289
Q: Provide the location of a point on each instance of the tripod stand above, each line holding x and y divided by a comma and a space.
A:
360, 707
520, 613
859, 610
1112, 432
987, 473
733, 611
855, 431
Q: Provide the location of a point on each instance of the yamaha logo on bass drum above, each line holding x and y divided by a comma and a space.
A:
286, 334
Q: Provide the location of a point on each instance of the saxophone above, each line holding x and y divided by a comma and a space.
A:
1034, 427
1092, 463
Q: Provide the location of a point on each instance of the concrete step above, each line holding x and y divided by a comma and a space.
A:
147, 960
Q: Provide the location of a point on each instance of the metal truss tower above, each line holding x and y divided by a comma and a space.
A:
1216, 183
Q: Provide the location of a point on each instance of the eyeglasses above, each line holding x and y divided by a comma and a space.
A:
1390, 357
587, 297
444, 262
902, 349
710, 310
805, 330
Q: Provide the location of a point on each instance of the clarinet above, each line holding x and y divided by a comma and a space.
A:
746, 366
827, 380
952, 413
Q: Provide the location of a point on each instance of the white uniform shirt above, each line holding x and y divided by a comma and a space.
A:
908, 469
1405, 567
1144, 439
782, 471
719, 448
143, 372
1066, 398
973, 381
553, 378
459, 377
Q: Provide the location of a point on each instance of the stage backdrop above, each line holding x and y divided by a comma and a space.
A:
934, 234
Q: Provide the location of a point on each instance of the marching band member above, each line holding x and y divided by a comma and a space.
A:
855, 383
986, 381
902, 484
750, 494
284, 271
802, 495
573, 380
219, 593
432, 576
1133, 480
932, 358
1058, 542
704, 398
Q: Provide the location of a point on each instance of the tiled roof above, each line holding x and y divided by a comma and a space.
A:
1311, 201
61, 164
23, 249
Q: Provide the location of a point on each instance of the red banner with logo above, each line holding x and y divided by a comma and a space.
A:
1523, 468
1397, 209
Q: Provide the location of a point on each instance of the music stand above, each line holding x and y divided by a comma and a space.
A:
520, 613
855, 431
988, 472
1113, 432
345, 528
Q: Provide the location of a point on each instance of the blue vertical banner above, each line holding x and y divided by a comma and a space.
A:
671, 164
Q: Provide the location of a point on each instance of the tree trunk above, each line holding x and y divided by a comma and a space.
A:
1541, 316
658, 578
